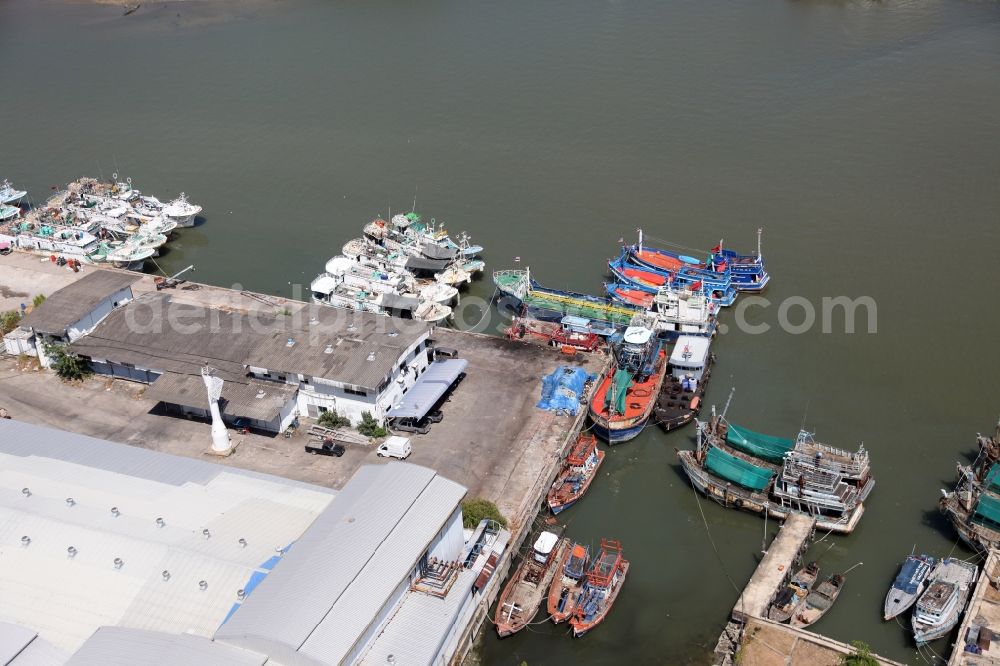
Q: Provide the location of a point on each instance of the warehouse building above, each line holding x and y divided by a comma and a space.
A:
275, 367
71, 312
121, 555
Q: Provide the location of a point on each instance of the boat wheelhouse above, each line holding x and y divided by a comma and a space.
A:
908, 585
690, 368
603, 583
576, 475
941, 605
567, 584
626, 394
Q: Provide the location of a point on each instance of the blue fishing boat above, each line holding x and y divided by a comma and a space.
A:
745, 272
718, 287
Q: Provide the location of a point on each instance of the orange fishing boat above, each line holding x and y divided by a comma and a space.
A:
631, 295
603, 583
567, 585
627, 393
524, 592
577, 473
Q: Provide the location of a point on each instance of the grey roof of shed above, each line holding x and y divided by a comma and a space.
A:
154, 332
120, 646
20, 646
24, 439
73, 302
251, 399
374, 532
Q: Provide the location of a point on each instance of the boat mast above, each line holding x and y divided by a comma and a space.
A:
760, 230
640, 239
728, 400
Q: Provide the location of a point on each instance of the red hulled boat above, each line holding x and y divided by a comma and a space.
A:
567, 585
577, 473
604, 582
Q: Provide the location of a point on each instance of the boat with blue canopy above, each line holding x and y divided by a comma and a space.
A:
908, 585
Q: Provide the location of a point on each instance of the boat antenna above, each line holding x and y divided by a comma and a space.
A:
805, 415
414, 209
728, 400
760, 230
852, 568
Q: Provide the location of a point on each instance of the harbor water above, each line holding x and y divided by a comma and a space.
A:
863, 136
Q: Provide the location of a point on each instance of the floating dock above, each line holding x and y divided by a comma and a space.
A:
978, 641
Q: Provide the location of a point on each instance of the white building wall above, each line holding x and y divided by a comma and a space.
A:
102, 310
16, 344
447, 545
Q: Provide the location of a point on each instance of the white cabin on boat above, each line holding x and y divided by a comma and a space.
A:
690, 356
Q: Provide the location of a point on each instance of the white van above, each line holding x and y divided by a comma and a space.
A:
395, 447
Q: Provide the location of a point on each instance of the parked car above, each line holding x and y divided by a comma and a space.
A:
327, 447
394, 447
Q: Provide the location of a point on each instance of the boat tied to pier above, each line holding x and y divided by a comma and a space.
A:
819, 601
973, 506
577, 473
690, 368
627, 392
793, 594
603, 582
567, 584
761, 474
528, 587
908, 585
941, 605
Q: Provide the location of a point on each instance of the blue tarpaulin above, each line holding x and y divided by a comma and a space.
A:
563, 389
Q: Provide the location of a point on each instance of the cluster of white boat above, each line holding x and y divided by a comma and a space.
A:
94, 222
404, 267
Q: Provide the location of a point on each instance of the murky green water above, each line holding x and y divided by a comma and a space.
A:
864, 137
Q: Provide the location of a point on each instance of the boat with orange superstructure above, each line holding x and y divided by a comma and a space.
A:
577, 473
627, 393
603, 583
567, 585
524, 592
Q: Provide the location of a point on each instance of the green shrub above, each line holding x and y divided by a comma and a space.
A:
9, 321
369, 427
331, 419
474, 510
67, 365
38, 300
862, 656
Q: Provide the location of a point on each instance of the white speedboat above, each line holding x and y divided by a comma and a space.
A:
129, 255
182, 211
453, 275
431, 312
8, 195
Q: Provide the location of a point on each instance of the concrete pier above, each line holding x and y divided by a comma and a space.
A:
750, 638
981, 622
776, 567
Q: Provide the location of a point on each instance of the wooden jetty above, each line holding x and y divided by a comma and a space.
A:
775, 568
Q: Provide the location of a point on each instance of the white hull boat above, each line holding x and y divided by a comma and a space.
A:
8, 195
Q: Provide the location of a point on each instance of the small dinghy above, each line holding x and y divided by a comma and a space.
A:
794, 594
819, 601
909, 584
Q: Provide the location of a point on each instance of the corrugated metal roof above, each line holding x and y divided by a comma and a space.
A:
329, 343
393, 560
330, 587
250, 399
40, 652
425, 393
118, 646
75, 301
13, 639
65, 596
419, 628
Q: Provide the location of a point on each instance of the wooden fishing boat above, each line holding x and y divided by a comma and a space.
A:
575, 332
577, 473
690, 368
908, 585
627, 392
974, 505
794, 594
524, 592
819, 601
604, 582
941, 605
567, 584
